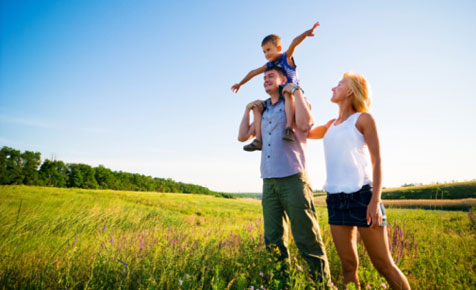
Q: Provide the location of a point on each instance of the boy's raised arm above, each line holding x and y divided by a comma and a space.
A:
298, 40
248, 77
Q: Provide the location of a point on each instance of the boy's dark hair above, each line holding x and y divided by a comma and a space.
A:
273, 38
276, 68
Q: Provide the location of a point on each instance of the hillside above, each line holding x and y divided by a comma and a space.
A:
457, 190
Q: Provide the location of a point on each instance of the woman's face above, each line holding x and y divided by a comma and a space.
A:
340, 92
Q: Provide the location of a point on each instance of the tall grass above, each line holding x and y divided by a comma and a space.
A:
84, 239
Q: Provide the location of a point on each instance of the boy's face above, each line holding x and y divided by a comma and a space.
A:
271, 51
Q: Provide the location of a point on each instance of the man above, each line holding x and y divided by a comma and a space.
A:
286, 191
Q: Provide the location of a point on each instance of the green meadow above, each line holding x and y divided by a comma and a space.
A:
52, 238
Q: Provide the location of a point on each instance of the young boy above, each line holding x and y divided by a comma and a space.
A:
272, 50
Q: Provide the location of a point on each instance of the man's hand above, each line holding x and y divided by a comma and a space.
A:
259, 104
310, 32
235, 88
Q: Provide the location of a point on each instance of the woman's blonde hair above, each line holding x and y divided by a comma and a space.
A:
361, 90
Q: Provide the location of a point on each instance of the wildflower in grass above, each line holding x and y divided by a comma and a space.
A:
401, 243
252, 287
368, 286
104, 228
299, 268
180, 282
384, 286
75, 240
125, 267
141, 243
261, 274
250, 228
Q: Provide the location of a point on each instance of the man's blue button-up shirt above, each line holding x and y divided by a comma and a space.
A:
280, 158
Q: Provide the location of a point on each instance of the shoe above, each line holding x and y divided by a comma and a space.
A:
253, 146
289, 135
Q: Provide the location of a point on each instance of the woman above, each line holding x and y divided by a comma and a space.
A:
353, 196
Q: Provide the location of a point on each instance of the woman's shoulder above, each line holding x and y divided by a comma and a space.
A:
365, 117
365, 120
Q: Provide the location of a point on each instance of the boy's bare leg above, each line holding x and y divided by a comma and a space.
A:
257, 116
289, 109
257, 142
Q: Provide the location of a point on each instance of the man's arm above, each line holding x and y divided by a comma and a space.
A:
297, 41
247, 130
248, 77
302, 113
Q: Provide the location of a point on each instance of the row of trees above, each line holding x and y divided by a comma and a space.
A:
26, 168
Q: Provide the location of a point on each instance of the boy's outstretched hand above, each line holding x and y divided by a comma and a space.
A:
235, 88
310, 32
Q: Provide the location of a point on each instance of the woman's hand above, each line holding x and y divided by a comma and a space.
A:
374, 214
328, 124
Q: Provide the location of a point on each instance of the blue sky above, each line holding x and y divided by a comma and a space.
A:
144, 86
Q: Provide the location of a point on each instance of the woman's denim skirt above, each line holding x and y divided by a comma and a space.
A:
350, 209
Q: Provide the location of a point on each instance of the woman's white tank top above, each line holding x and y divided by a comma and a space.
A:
347, 157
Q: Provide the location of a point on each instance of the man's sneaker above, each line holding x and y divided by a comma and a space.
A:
289, 135
253, 146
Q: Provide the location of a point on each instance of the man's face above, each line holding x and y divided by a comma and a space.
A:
272, 80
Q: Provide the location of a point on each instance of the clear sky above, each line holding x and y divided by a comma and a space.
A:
144, 86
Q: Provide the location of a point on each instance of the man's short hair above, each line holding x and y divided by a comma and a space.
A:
276, 68
273, 38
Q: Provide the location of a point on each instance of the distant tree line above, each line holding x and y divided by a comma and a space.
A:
26, 168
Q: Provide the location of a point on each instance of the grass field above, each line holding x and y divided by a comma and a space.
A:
86, 239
